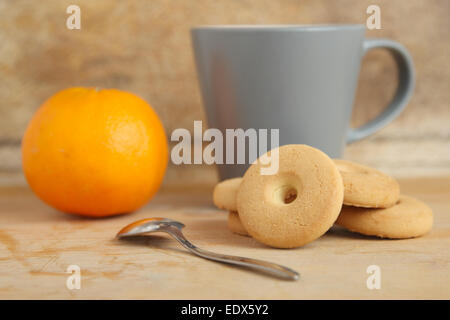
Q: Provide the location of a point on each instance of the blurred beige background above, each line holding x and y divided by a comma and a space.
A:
144, 46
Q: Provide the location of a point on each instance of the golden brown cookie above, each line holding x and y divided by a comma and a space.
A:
296, 205
224, 195
235, 225
367, 187
409, 218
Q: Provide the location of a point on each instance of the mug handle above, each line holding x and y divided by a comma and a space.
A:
404, 90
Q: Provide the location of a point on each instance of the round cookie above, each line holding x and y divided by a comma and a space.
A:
235, 224
297, 204
224, 195
367, 187
409, 218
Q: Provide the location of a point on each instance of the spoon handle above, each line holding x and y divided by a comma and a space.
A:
268, 267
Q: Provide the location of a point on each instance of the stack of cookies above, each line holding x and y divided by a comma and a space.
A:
310, 192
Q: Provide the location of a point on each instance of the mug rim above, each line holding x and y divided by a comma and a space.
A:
278, 27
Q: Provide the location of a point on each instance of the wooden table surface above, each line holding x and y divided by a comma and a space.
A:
38, 244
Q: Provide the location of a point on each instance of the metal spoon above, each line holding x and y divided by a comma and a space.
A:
173, 228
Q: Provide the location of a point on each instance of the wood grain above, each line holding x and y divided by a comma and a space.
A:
37, 244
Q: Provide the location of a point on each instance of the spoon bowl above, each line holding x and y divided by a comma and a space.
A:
149, 225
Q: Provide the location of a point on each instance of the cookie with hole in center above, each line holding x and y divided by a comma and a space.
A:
367, 187
408, 218
297, 204
235, 224
224, 194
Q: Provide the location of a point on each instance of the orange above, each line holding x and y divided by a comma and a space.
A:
95, 152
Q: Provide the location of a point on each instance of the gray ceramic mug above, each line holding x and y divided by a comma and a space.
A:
298, 79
